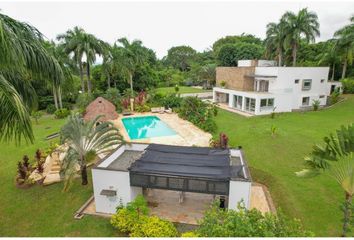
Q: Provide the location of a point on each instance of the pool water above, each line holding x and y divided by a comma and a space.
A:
146, 127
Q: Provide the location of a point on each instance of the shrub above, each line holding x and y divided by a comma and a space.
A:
190, 234
154, 227
36, 115
125, 103
248, 223
348, 85
39, 161
83, 100
176, 89
223, 83
142, 108
62, 113
222, 142
113, 95
24, 169
199, 113
316, 104
171, 101
335, 96
50, 109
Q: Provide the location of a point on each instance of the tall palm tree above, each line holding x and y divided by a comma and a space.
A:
208, 73
131, 55
330, 57
72, 41
275, 40
345, 45
85, 139
304, 24
22, 58
336, 157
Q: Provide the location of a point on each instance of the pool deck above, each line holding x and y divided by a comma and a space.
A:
187, 133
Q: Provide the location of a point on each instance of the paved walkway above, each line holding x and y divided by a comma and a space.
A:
203, 95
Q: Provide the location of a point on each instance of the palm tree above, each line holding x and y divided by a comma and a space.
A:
22, 58
275, 40
336, 157
86, 139
131, 54
345, 44
329, 57
296, 26
72, 41
208, 73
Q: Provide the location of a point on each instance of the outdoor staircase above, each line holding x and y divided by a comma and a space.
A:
53, 175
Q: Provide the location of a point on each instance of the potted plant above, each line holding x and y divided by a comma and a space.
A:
223, 84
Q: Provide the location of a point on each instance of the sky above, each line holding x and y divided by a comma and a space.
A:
161, 25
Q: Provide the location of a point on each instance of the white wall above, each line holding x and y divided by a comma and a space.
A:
112, 180
239, 191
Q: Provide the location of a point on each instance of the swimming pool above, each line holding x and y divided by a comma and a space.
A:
146, 127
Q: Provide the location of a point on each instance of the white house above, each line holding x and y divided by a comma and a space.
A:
133, 168
260, 87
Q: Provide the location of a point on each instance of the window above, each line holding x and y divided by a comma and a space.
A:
322, 96
305, 101
267, 102
322, 80
297, 81
306, 84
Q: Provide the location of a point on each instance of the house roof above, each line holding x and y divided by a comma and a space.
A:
101, 106
199, 162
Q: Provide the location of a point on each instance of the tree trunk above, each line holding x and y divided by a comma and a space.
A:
131, 83
280, 57
109, 80
82, 78
333, 68
83, 170
344, 68
89, 86
294, 54
59, 97
115, 83
347, 213
55, 97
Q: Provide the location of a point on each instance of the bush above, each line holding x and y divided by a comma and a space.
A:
36, 115
222, 142
134, 220
348, 85
190, 234
61, 113
248, 223
113, 95
50, 109
334, 98
199, 113
316, 104
83, 100
171, 101
142, 108
154, 227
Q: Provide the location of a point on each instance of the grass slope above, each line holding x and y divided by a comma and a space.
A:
274, 160
182, 89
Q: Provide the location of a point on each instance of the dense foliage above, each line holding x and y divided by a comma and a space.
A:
348, 85
248, 223
134, 220
199, 113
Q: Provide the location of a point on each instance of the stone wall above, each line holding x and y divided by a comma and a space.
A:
236, 77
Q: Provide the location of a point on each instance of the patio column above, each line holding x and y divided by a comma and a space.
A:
231, 100
243, 108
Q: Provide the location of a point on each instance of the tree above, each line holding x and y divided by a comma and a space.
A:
181, 57
208, 73
82, 45
296, 26
22, 58
243, 38
129, 57
229, 54
242, 222
345, 45
86, 139
275, 39
336, 157
329, 57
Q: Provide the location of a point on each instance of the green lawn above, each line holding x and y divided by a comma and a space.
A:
43, 211
182, 89
274, 160
47, 211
